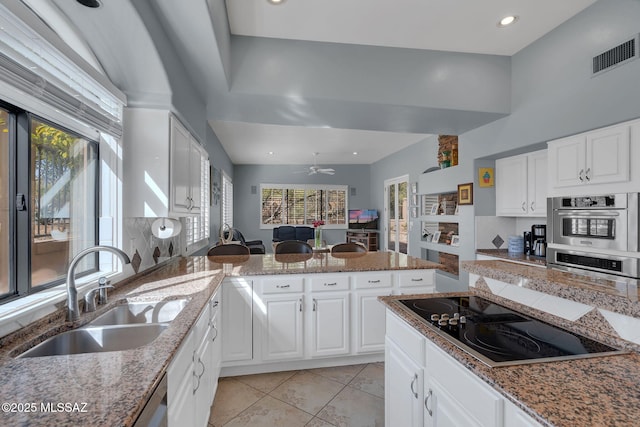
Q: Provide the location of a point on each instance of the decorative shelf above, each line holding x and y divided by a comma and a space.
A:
441, 247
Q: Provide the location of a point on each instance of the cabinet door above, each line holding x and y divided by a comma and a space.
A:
607, 156
511, 186
203, 380
537, 183
369, 321
179, 175
445, 410
566, 161
237, 320
195, 176
282, 335
181, 409
403, 388
330, 324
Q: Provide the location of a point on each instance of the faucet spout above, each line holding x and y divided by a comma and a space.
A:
73, 312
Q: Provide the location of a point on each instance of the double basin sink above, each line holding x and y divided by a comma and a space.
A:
124, 327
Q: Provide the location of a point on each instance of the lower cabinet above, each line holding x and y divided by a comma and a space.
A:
194, 371
237, 319
424, 386
282, 335
330, 325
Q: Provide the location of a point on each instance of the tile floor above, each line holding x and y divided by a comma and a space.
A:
350, 396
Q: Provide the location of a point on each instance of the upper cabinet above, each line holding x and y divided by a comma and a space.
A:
594, 162
162, 165
521, 185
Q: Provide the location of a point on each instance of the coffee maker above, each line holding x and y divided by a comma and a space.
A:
538, 240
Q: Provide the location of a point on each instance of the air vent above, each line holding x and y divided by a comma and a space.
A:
627, 51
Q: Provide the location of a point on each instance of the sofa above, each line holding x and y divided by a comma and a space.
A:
288, 232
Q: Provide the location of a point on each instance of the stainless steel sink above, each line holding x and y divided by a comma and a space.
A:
141, 312
97, 339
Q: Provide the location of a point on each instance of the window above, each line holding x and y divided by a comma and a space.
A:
48, 202
303, 204
227, 200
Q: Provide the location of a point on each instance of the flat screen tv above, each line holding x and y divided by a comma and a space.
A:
363, 218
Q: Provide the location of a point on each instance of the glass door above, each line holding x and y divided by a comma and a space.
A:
396, 214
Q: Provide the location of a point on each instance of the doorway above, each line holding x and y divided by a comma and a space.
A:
396, 213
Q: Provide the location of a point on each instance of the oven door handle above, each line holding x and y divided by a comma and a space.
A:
598, 214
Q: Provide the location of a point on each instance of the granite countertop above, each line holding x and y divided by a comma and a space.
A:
111, 388
517, 257
251, 265
599, 391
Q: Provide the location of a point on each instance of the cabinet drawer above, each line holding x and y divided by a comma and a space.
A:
283, 284
329, 283
416, 278
405, 337
469, 392
371, 281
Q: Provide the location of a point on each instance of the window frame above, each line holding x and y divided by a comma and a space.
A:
20, 260
306, 187
227, 201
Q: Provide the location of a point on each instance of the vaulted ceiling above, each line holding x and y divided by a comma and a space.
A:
309, 76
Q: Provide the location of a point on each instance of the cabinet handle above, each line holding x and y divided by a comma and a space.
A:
215, 304
374, 281
300, 304
524, 206
417, 280
426, 402
216, 335
331, 284
586, 175
315, 304
581, 175
415, 378
533, 206
282, 286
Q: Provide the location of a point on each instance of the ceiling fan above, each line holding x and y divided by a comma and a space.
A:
315, 169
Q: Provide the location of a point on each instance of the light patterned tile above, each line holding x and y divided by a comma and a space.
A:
317, 422
265, 382
307, 391
342, 374
232, 397
353, 407
370, 379
270, 412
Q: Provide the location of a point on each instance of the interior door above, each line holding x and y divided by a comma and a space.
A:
396, 221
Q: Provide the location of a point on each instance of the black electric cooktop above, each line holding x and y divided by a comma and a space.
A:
498, 336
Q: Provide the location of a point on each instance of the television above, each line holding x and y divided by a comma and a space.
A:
363, 218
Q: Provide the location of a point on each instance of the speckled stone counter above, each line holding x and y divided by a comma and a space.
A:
318, 263
600, 391
111, 388
518, 257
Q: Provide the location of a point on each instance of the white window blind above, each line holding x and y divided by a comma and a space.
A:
227, 200
289, 204
197, 226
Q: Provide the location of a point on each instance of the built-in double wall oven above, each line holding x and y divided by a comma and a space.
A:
595, 233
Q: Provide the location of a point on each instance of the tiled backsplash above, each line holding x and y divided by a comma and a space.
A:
145, 249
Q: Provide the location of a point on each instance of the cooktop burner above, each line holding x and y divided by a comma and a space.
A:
499, 336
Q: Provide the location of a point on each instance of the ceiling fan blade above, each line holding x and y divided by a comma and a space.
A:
327, 171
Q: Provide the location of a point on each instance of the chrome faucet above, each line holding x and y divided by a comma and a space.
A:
73, 312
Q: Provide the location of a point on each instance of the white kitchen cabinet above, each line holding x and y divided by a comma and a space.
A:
216, 341
515, 417
404, 375
368, 317
237, 319
330, 324
282, 327
521, 185
591, 158
191, 375
162, 165
186, 170
456, 396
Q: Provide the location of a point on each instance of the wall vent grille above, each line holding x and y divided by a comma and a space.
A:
617, 56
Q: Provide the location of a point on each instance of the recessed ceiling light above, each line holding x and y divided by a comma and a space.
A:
90, 3
276, 1
507, 20
355, 153
271, 153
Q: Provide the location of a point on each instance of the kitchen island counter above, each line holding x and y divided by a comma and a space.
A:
111, 388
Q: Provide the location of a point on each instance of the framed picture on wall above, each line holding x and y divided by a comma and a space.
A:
455, 240
414, 212
436, 237
414, 188
434, 209
465, 194
414, 200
